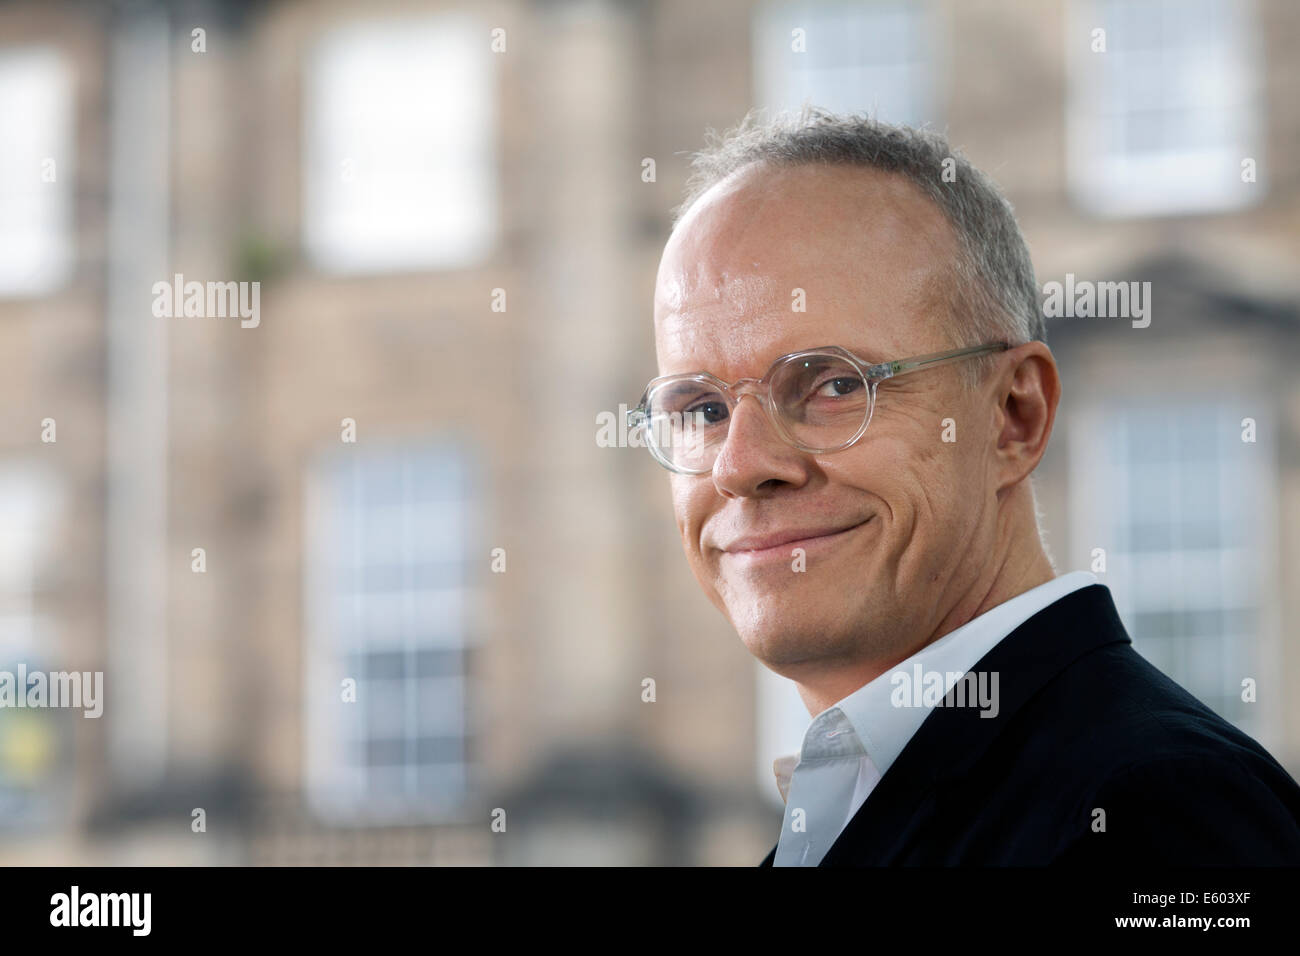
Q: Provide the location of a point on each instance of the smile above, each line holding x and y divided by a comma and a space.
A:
785, 550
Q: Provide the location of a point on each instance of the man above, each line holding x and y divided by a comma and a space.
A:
827, 274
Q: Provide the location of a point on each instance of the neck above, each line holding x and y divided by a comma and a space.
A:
1018, 568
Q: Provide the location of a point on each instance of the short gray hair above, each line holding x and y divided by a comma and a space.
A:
994, 295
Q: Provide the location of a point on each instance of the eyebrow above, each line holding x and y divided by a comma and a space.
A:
870, 355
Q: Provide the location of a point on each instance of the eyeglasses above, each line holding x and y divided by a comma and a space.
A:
819, 400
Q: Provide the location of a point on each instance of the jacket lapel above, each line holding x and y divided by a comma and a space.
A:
952, 739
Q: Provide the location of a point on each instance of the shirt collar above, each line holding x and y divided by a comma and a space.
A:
866, 723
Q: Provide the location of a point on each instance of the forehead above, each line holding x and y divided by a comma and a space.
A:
864, 253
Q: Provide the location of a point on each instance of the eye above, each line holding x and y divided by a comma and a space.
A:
710, 413
838, 387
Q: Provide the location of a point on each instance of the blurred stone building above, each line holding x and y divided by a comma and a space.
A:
364, 584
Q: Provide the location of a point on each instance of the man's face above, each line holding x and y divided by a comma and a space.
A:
890, 528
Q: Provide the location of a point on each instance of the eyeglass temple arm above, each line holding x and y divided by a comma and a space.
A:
891, 369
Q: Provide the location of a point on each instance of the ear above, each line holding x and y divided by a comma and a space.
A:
1027, 392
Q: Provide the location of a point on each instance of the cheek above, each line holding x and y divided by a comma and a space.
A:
885, 469
912, 469
938, 492
911, 487
691, 503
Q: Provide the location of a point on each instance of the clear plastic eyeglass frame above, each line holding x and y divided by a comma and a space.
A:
638, 419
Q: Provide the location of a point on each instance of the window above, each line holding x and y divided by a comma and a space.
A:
857, 57
1182, 507
36, 183
399, 150
387, 607
1162, 120
35, 744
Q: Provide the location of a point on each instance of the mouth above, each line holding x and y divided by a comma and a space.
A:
758, 551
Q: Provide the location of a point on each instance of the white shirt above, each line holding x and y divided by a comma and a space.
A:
849, 746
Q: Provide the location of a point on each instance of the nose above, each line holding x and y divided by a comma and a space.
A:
754, 459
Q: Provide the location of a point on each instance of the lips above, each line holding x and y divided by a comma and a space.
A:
776, 539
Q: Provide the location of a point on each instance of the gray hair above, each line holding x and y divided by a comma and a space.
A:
994, 295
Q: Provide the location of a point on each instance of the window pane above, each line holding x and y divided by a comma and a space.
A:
399, 146
853, 57
391, 616
1160, 120
1183, 567
36, 171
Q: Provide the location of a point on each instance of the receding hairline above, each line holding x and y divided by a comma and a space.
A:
744, 177
750, 175
942, 290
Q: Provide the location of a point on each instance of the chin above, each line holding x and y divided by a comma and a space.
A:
786, 654
782, 637
796, 625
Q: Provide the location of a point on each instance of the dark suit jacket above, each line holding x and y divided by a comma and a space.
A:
1084, 723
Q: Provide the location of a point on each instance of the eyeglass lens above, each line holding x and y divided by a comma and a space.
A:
821, 402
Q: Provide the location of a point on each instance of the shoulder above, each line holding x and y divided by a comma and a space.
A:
1112, 712
1192, 809
1170, 782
